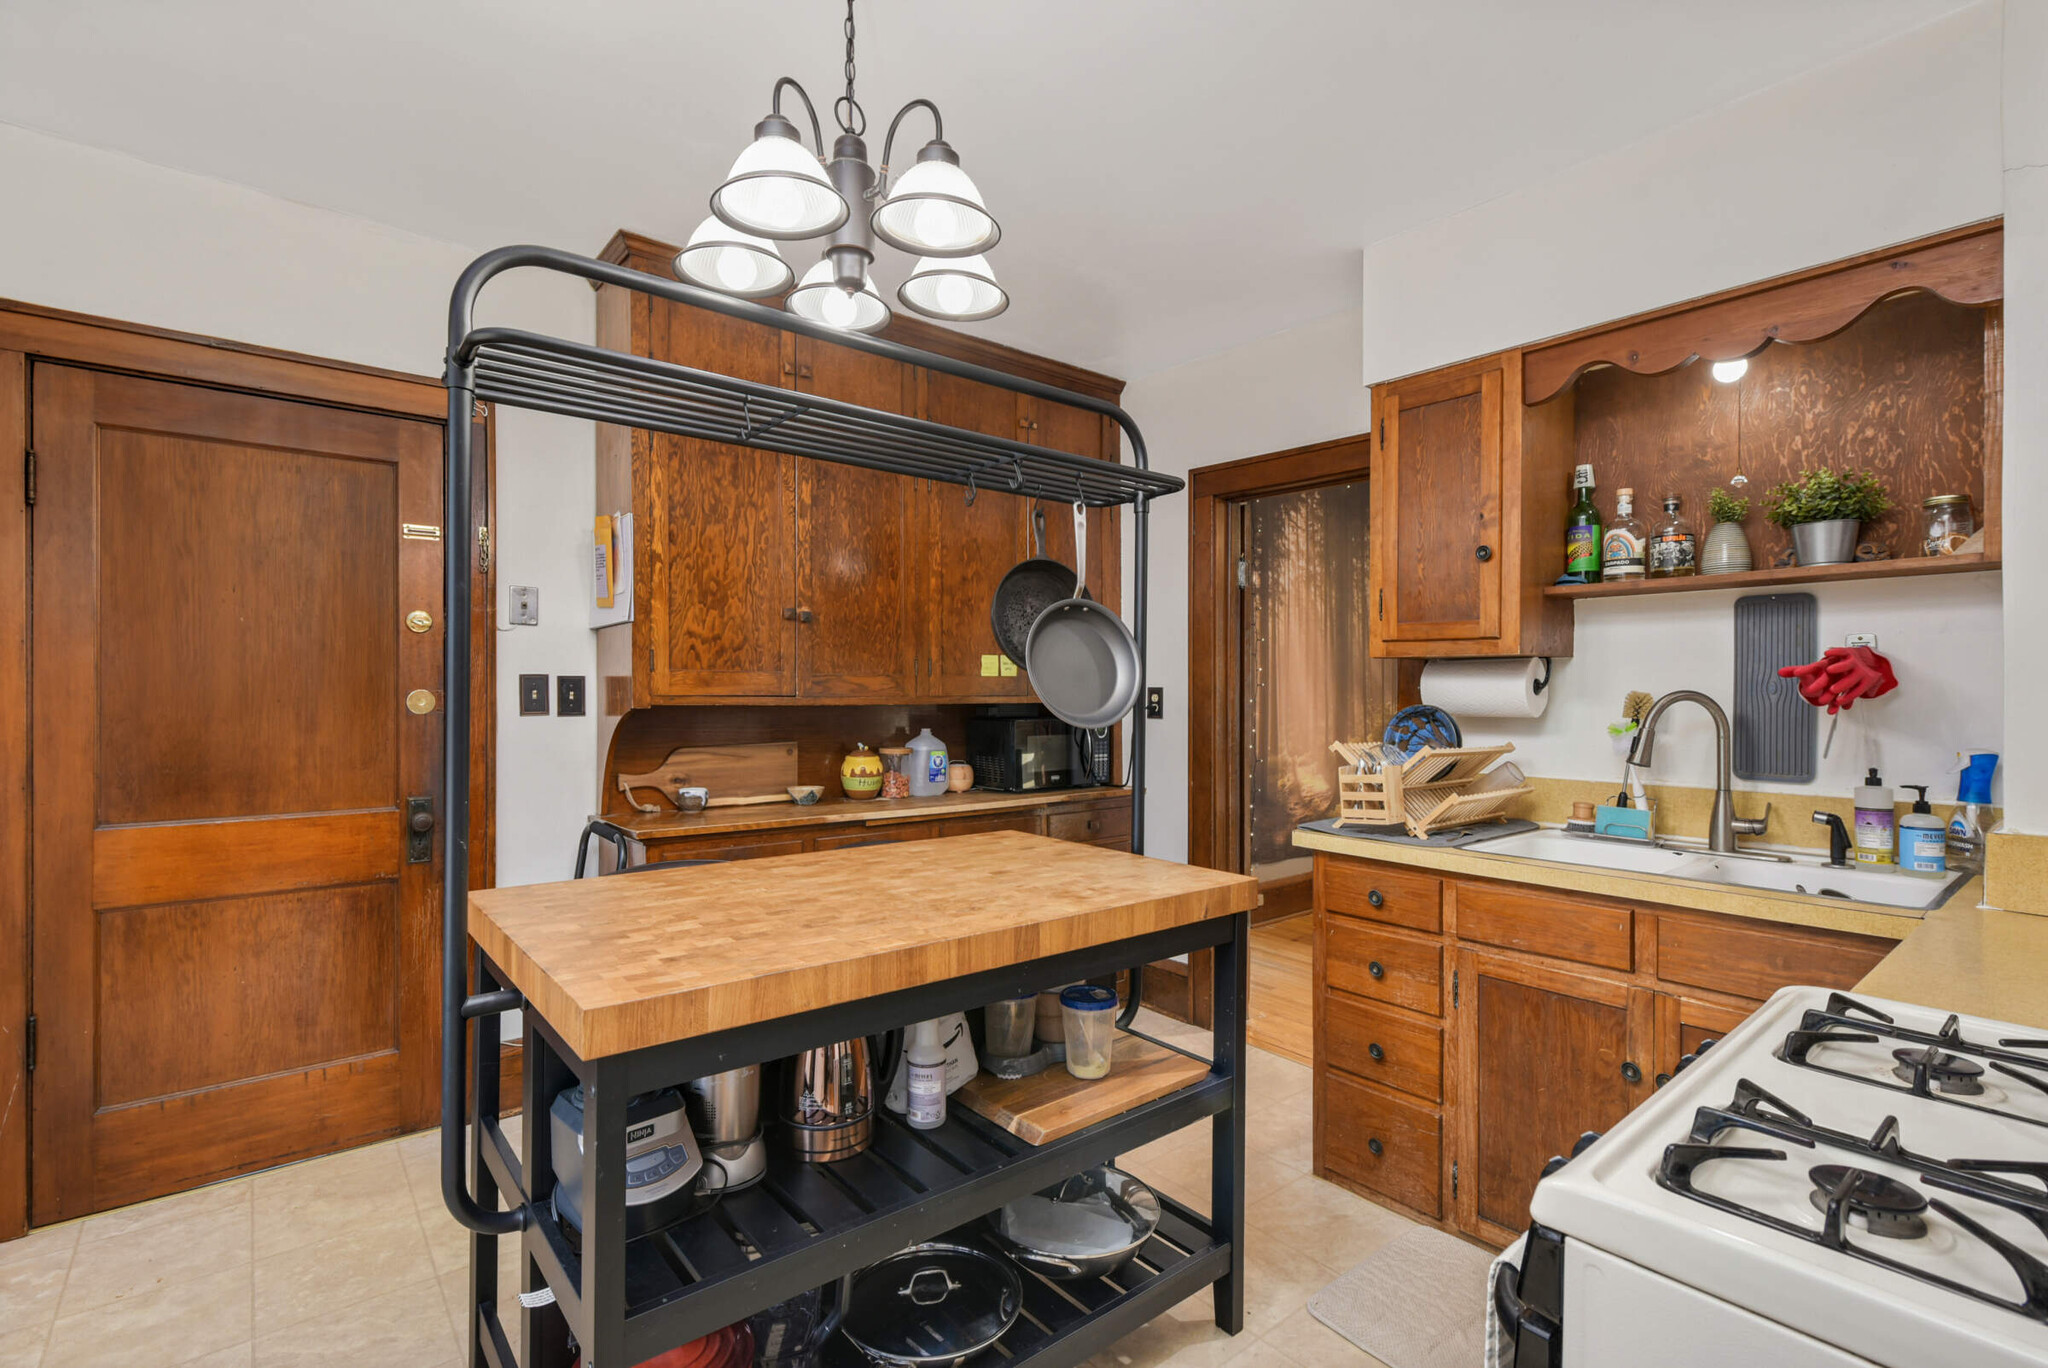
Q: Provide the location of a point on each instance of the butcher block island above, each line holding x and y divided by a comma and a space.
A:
637, 986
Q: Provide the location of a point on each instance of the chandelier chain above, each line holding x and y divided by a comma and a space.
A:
846, 109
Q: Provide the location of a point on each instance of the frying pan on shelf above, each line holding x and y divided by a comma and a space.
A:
1082, 660
1029, 589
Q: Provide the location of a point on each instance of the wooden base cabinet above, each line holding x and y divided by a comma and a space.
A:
1467, 1030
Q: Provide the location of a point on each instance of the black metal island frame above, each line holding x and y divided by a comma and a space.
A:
622, 1301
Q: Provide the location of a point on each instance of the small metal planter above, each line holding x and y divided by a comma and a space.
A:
1726, 550
1826, 543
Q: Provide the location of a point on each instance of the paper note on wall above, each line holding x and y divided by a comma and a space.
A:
604, 586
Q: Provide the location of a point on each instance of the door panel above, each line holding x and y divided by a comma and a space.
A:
854, 570
1441, 458
967, 550
722, 554
234, 963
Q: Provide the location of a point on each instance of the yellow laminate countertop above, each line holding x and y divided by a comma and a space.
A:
1830, 914
622, 963
1981, 961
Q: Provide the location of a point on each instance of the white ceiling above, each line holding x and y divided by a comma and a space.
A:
1173, 176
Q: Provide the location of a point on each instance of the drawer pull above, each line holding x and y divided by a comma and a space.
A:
1094, 825
1376, 1148
1484, 553
1631, 1073
1376, 969
1375, 899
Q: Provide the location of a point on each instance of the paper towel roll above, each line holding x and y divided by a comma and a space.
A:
1487, 688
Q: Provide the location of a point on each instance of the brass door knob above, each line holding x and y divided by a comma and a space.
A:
420, 702
419, 620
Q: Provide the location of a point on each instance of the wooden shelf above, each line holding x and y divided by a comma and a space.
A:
1773, 578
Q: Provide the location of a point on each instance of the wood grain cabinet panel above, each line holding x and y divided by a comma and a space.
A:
1388, 1047
1099, 826
1542, 923
1380, 1141
1382, 893
1686, 1023
1754, 961
967, 549
974, 826
1385, 966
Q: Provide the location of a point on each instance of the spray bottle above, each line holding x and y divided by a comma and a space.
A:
1973, 794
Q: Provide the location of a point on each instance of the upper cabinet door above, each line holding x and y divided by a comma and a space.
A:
966, 549
721, 554
1437, 506
857, 631
1063, 427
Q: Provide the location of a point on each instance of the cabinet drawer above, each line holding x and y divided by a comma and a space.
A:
969, 826
730, 848
1376, 1043
1754, 961
1382, 1142
1383, 965
885, 834
1099, 826
1543, 923
1359, 888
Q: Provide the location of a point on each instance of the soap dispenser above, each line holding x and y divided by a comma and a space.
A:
1923, 839
1874, 839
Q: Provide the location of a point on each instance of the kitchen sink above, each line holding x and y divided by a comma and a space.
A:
1797, 874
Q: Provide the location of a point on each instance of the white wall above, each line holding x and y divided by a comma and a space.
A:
1282, 391
1895, 142
102, 233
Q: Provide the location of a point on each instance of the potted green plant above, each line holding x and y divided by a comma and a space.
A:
1824, 509
1726, 549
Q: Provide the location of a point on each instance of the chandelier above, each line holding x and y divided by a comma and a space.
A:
782, 191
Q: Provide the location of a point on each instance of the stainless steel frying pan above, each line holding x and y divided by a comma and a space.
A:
1082, 660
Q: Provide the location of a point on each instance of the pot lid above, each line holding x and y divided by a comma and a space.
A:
933, 1301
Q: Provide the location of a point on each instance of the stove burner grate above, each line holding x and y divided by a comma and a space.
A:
1886, 1206
1950, 1073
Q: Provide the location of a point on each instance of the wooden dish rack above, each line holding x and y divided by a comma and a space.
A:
1427, 792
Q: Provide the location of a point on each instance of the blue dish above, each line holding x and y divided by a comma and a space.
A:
1421, 725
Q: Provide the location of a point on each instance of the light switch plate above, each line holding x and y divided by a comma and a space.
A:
1155, 704
568, 695
522, 605
1863, 639
533, 695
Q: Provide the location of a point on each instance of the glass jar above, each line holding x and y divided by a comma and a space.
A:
1949, 524
895, 771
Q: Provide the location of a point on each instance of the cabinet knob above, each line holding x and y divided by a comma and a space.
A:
1376, 1147
1376, 969
1094, 824
1484, 553
1376, 1052
1375, 899
1631, 1073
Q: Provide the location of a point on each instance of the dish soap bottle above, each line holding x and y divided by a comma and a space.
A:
1582, 532
1873, 821
927, 765
1966, 827
1674, 551
926, 1109
1923, 841
1621, 549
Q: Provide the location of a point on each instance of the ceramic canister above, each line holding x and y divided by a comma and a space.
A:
860, 774
959, 777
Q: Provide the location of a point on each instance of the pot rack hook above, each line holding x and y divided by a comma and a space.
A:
1016, 474
970, 488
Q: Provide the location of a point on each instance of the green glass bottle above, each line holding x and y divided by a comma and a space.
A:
1582, 532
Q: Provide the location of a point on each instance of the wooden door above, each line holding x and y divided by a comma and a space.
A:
1544, 1056
855, 596
967, 549
1063, 427
1437, 508
235, 959
721, 553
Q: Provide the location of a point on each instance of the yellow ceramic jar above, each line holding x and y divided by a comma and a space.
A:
860, 774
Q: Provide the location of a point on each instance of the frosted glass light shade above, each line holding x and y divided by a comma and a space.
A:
819, 298
1728, 372
777, 189
957, 289
723, 258
934, 210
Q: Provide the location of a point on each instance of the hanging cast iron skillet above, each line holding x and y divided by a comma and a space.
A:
1029, 589
1082, 660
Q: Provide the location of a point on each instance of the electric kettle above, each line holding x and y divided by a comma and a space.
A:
828, 1103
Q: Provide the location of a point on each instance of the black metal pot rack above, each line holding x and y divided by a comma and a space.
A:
623, 1301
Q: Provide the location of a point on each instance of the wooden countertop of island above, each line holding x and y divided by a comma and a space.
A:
626, 962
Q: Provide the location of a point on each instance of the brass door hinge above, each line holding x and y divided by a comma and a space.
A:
29, 1045
1454, 1180
28, 477
1244, 576
483, 549
1454, 987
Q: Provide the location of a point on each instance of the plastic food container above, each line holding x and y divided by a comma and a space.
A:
1090, 1016
1011, 1024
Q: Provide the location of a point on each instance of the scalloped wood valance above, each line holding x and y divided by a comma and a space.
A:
1963, 265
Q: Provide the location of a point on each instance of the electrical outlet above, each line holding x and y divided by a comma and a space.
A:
1155, 704
1863, 639
568, 695
533, 695
522, 606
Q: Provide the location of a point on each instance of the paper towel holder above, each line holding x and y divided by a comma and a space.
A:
1538, 686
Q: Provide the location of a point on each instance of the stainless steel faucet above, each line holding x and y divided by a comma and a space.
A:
1723, 826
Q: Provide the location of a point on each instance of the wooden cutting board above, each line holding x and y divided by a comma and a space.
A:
1054, 1103
761, 772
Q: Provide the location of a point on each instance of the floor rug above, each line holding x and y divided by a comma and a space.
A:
1419, 1302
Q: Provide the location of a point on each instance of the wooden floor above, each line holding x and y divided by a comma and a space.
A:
1282, 967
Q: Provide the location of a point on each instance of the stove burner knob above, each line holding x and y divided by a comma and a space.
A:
1584, 1142
1630, 1073
1662, 1079
1376, 1148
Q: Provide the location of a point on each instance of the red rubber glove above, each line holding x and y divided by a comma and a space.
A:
1841, 676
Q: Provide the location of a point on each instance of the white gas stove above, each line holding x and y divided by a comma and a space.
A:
1841, 1181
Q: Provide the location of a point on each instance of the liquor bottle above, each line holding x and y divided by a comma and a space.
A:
1582, 532
1674, 551
1621, 549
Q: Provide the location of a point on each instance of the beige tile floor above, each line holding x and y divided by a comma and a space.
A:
352, 1260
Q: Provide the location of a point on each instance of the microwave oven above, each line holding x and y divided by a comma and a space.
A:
1028, 754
